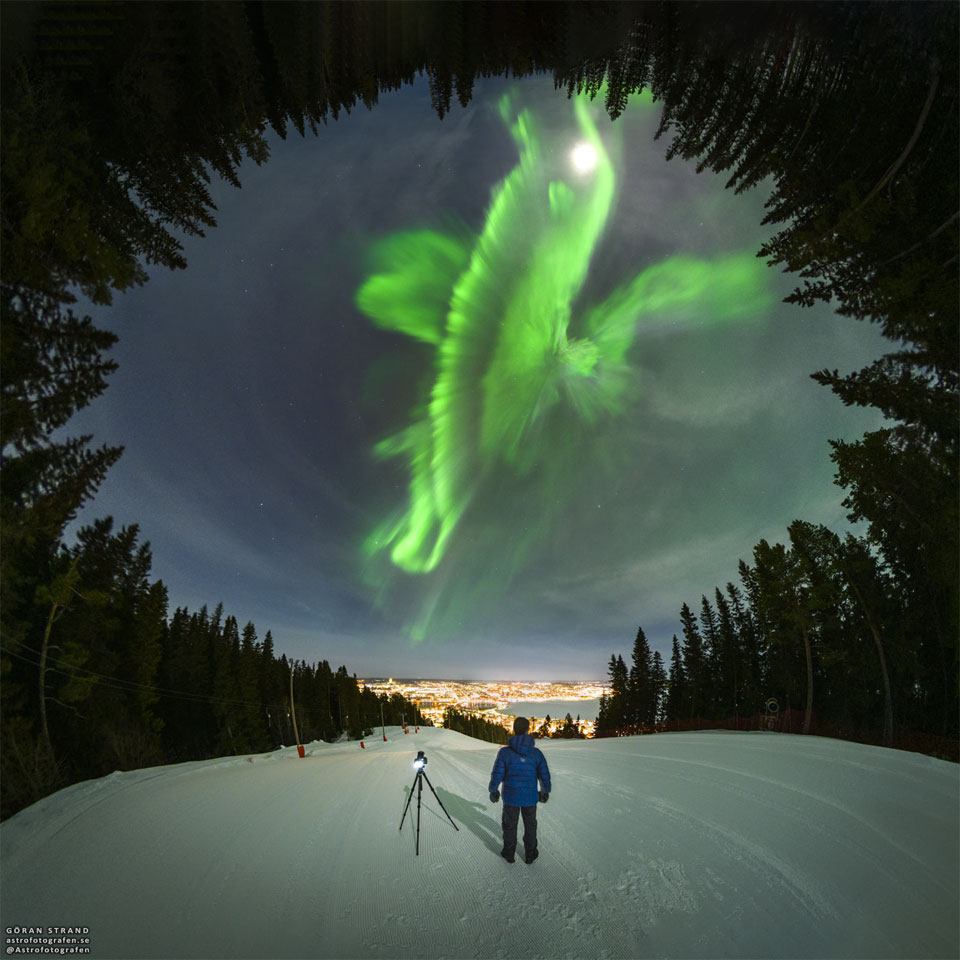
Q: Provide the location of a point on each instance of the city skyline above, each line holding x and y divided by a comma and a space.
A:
489, 700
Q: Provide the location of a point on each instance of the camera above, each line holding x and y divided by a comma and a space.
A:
421, 760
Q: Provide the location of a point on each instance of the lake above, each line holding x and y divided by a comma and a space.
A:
556, 708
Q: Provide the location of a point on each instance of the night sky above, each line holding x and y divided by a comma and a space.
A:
419, 412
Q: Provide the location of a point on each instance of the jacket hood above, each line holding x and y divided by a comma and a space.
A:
521, 743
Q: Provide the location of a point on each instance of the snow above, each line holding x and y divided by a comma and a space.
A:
673, 845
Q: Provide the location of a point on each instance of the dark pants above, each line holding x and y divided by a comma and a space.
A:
509, 820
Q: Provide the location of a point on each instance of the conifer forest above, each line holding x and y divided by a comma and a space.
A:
115, 117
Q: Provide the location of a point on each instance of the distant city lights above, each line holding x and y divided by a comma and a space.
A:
488, 701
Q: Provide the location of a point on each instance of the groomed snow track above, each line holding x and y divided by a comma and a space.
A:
676, 845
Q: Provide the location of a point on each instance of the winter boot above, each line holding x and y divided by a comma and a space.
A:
530, 857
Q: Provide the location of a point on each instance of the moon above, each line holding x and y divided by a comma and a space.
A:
584, 157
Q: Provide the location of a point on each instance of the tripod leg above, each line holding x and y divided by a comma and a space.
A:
409, 798
420, 775
442, 807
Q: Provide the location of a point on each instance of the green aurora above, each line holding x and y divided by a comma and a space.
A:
521, 372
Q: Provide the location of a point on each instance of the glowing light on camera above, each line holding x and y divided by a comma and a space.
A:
418, 763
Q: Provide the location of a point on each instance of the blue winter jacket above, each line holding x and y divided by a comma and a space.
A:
518, 766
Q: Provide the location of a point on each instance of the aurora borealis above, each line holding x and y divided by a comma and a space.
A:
509, 378
434, 399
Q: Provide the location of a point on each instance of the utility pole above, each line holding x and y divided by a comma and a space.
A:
293, 711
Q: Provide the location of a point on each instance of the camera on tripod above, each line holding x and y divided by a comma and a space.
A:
418, 779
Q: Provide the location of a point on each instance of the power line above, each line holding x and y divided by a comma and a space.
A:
130, 686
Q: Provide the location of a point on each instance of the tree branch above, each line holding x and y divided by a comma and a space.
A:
943, 226
888, 176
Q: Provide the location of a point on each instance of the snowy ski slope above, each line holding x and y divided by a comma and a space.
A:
676, 845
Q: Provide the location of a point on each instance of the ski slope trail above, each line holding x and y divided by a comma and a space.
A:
675, 845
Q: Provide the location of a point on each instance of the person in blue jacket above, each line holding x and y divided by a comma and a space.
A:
519, 765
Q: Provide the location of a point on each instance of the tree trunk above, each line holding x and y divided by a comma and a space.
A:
887, 698
736, 705
895, 166
293, 709
45, 729
806, 647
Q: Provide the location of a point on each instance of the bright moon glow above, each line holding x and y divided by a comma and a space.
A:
584, 157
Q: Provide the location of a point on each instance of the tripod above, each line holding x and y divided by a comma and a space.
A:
418, 783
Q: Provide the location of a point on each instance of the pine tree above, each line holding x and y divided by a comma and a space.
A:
226, 688
676, 686
51, 365
871, 590
728, 657
603, 721
621, 688
709, 687
748, 648
658, 684
784, 593
618, 705
908, 499
694, 662
639, 702
250, 714
109, 651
